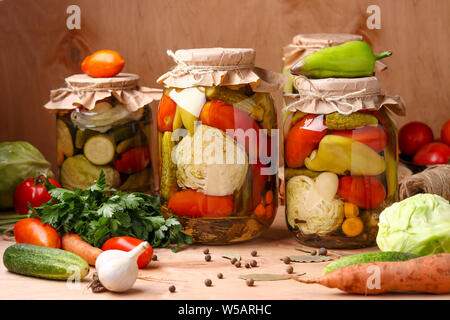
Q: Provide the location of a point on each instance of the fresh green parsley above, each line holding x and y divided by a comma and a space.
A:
99, 213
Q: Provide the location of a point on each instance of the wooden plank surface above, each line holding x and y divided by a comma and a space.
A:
187, 270
38, 51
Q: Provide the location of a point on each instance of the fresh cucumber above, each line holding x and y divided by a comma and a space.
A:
99, 150
43, 262
64, 138
381, 256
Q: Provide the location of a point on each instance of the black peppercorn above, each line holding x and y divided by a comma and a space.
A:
250, 282
323, 252
208, 257
206, 251
233, 261
155, 257
238, 264
313, 252
172, 288
254, 253
247, 265
220, 275
289, 269
287, 260
253, 263
208, 282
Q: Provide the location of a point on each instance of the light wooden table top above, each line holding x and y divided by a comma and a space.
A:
187, 270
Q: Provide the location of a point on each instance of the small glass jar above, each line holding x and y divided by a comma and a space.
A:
216, 141
340, 156
104, 132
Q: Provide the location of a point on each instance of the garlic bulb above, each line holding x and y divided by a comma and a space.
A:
118, 270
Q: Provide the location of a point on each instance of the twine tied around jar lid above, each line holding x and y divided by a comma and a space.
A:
83, 90
219, 66
343, 95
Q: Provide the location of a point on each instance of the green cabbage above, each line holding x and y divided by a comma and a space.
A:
19, 160
419, 224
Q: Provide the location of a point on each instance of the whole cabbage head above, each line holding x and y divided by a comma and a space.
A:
419, 224
19, 160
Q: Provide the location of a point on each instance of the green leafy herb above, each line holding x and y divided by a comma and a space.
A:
98, 214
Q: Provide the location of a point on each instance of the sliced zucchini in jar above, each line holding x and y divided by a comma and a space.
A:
99, 150
64, 138
81, 136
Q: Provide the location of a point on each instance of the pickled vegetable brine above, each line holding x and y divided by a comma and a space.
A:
340, 158
105, 124
217, 130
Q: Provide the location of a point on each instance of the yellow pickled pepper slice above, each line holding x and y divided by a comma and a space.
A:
340, 155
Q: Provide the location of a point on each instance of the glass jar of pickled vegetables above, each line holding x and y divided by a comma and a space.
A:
105, 124
340, 160
218, 142
303, 45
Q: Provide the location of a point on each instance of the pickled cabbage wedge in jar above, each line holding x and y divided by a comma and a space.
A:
106, 124
340, 160
218, 145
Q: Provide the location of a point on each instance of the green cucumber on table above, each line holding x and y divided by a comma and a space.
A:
43, 262
379, 256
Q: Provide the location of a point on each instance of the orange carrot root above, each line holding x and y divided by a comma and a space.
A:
73, 243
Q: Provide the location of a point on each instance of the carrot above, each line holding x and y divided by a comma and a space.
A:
196, 204
352, 226
268, 197
269, 211
350, 210
260, 211
429, 274
73, 243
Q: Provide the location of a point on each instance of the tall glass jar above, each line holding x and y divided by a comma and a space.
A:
340, 157
105, 124
217, 139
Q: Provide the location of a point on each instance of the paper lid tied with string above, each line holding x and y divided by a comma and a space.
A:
343, 95
83, 90
219, 67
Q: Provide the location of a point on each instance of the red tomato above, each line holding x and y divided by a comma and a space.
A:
302, 139
33, 191
33, 231
412, 136
128, 244
445, 133
133, 160
103, 64
432, 153
366, 192
166, 113
196, 204
374, 137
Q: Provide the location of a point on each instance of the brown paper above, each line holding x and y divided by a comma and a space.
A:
304, 44
343, 95
219, 67
84, 90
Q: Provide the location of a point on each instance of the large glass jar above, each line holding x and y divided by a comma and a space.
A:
340, 157
107, 133
217, 172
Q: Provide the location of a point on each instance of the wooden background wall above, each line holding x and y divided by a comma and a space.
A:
37, 51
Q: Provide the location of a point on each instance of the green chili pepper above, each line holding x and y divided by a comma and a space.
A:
349, 60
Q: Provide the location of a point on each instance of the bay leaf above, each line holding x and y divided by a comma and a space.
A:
265, 276
304, 249
309, 258
231, 255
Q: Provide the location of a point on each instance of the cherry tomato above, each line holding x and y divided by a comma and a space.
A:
128, 244
302, 139
412, 136
133, 160
445, 133
374, 137
432, 153
166, 113
103, 64
33, 191
33, 231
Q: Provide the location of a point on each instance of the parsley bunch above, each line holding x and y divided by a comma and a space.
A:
98, 214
